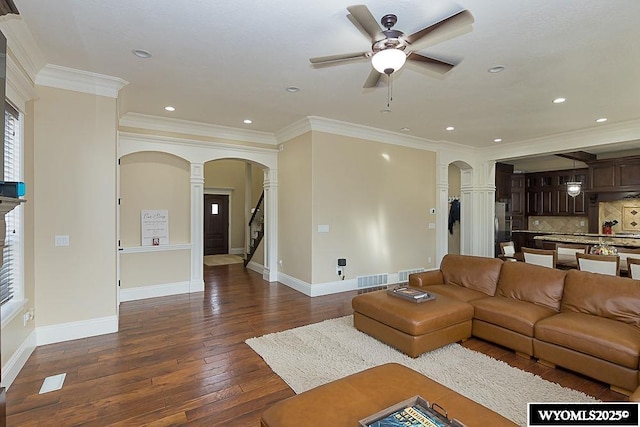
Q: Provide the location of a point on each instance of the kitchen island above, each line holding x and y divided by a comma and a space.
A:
619, 240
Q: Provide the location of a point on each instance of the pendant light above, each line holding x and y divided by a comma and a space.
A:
574, 187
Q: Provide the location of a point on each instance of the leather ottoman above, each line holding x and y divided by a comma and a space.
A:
413, 328
342, 403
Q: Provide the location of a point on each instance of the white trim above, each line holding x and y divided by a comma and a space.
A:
153, 291
160, 248
131, 142
16, 362
295, 129
76, 330
19, 86
11, 309
167, 124
22, 44
196, 285
320, 124
237, 251
254, 266
80, 81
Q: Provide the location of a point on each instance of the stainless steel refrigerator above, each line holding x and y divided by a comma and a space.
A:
502, 224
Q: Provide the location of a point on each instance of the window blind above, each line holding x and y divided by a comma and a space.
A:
12, 172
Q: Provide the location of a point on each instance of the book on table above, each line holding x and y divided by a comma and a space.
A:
413, 412
411, 294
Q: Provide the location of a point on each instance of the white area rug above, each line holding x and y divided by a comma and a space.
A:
316, 354
225, 259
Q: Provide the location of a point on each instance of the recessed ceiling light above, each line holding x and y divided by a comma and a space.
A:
450, 128
601, 120
170, 108
497, 140
405, 129
247, 121
141, 53
292, 89
559, 100
496, 69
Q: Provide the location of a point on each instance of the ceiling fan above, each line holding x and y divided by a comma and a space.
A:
391, 48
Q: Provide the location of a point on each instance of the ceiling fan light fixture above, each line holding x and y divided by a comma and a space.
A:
388, 61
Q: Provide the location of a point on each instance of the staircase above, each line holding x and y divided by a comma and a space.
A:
256, 229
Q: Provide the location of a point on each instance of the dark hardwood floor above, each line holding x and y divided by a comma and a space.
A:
182, 360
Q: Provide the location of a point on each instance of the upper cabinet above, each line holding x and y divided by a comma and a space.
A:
546, 193
615, 174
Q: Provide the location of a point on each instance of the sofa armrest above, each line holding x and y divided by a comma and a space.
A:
426, 278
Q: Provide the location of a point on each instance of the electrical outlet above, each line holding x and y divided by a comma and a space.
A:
432, 225
25, 318
429, 260
339, 271
581, 223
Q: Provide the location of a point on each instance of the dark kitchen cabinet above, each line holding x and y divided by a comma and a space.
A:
615, 174
518, 202
503, 181
546, 193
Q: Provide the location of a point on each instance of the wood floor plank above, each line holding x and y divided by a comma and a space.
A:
182, 359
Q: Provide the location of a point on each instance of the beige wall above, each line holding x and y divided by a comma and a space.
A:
375, 198
154, 268
74, 194
454, 191
294, 208
153, 180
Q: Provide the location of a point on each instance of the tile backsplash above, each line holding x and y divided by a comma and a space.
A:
626, 212
564, 224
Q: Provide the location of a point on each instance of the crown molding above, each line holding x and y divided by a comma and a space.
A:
22, 45
609, 134
125, 137
295, 129
19, 87
80, 81
165, 124
322, 124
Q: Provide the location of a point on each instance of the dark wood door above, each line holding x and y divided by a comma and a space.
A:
216, 224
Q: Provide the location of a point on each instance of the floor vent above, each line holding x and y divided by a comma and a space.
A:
403, 276
373, 280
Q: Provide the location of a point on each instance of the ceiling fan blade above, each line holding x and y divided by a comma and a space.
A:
450, 27
430, 64
361, 17
339, 58
372, 79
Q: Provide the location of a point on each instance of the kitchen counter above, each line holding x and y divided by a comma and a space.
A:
632, 241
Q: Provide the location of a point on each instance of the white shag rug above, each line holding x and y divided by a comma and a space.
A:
313, 355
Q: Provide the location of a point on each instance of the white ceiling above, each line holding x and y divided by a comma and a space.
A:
221, 62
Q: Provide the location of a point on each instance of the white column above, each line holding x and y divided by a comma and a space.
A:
442, 214
270, 272
477, 210
248, 205
197, 206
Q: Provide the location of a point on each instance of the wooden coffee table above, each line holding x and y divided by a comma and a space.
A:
413, 328
342, 403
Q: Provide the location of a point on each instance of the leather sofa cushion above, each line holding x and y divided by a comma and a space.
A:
457, 292
511, 314
603, 338
532, 283
477, 273
610, 297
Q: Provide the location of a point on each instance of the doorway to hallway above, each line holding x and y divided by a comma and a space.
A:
216, 224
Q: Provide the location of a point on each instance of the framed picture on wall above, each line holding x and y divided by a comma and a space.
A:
154, 227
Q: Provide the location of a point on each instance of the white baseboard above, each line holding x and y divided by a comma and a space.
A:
196, 286
237, 251
12, 368
254, 266
163, 290
76, 330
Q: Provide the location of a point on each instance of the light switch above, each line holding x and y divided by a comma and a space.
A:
324, 228
432, 225
62, 240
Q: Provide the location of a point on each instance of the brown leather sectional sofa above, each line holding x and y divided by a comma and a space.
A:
585, 322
